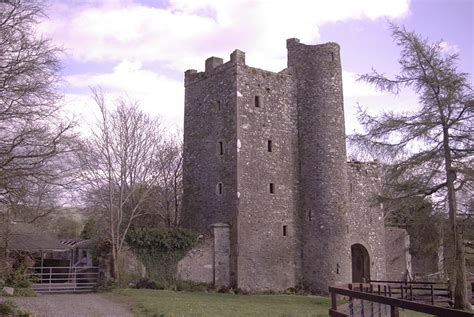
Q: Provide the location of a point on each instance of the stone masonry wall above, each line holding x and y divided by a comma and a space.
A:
300, 228
209, 167
366, 219
221, 255
197, 264
269, 247
323, 171
397, 244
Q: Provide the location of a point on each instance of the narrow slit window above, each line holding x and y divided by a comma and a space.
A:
269, 145
218, 105
219, 189
221, 148
332, 56
257, 101
285, 231
272, 188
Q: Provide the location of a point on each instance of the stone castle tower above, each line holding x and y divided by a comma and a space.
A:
265, 168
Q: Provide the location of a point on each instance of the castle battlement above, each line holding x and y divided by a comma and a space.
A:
214, 64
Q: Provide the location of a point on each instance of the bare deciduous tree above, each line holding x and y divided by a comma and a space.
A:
35, 141
120, 171
168, 192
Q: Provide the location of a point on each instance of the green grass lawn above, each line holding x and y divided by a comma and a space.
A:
170, 303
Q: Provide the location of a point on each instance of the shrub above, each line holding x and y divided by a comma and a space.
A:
24, 292
18, 278
146, 283
107, 285
10, 308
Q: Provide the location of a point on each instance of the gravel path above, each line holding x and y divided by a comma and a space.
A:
72, 305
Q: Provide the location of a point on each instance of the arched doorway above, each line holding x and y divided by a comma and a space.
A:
360, 263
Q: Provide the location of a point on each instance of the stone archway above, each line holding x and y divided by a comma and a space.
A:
360, 263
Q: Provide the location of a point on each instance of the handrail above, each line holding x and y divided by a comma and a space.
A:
63, 267
394, 304
406, 282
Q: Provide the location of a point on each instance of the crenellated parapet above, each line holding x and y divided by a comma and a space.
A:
212, 65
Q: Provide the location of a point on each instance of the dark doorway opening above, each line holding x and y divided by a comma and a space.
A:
360, 264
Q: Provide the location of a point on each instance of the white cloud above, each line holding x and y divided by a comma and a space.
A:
354, 88
448, 48
187, 31
183, 34
156, 94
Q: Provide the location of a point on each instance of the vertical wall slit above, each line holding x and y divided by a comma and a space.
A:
257, 101
221, 148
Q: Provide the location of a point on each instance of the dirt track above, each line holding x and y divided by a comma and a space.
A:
69, 305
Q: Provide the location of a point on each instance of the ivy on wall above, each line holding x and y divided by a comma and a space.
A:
160, 250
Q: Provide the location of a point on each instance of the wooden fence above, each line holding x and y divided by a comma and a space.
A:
366, 300
424, 292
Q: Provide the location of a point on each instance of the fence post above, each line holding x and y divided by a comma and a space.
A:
432, 294
394, 312
362, 310
74, 279
371, 308
333, 301
401, 291
411, 292
50, 273
351, 304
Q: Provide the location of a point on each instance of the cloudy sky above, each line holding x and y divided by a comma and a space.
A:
142, 48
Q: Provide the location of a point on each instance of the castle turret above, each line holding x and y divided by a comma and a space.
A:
323, 171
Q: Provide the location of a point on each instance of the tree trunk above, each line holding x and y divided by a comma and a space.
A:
6, 236
115, 269
459, 265
460, 290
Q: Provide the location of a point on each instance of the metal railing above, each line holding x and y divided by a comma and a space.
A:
64, 279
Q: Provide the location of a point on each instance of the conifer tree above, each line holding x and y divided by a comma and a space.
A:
429, 151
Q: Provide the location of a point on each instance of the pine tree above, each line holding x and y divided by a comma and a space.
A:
430, 150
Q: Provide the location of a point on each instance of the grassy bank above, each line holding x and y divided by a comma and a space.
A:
170, 303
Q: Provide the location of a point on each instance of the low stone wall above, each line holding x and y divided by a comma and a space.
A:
197, 265
397, 244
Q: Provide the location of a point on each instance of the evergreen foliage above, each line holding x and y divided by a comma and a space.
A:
429, 151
